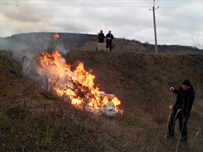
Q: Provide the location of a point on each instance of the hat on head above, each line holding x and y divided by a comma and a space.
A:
186, 82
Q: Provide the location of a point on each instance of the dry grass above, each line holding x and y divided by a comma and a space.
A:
31, 119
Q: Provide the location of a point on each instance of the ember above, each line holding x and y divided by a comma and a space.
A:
77, 85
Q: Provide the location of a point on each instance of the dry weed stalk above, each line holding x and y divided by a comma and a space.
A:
1, 100
26, 64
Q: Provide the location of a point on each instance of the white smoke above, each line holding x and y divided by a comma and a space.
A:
27, 48
31, 44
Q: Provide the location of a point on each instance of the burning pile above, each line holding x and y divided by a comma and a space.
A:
76, 85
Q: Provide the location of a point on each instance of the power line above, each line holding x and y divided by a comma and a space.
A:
80, 2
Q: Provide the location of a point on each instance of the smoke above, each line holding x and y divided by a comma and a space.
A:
31, 45
42, 61
27, 48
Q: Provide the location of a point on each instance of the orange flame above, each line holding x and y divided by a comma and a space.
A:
77, 85
56, 36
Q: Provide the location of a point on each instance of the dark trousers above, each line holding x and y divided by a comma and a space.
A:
109, 44
182, 123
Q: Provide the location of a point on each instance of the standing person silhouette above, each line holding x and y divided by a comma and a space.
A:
101, 37
109, 38
181, 109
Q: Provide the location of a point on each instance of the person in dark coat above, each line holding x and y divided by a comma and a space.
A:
181, 109
101, 37
109, 38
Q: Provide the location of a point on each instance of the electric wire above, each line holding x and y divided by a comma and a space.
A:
110, 3
138, 4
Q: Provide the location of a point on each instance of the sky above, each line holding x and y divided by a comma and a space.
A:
178, 22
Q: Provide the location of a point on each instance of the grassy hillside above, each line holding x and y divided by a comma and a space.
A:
75, 41
32, 119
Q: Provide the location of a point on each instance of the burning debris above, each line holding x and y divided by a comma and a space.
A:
14, 72
76, 86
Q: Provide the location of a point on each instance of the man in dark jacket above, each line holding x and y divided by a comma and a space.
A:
101, 37
109, 38
181, 109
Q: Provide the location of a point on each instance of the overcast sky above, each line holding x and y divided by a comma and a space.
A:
177, 21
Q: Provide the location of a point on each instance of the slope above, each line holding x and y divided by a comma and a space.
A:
32, 119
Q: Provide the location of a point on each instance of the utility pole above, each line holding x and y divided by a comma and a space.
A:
154, 20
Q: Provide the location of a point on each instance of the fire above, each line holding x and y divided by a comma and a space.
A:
56, 36
76, 85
